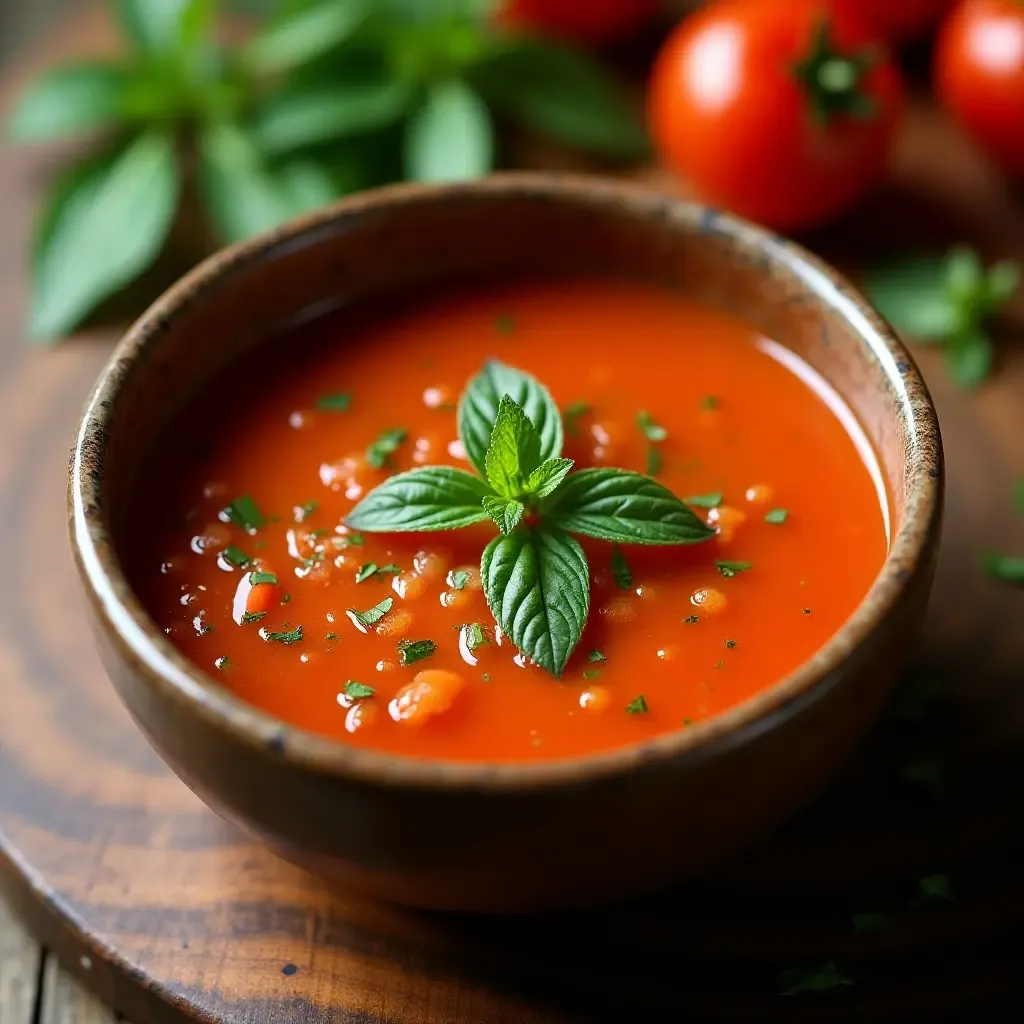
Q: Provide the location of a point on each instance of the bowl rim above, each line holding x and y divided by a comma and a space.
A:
162, 667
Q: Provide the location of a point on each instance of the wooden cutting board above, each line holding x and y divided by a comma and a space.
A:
170, 915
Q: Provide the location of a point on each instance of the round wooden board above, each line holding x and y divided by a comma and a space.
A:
171, 915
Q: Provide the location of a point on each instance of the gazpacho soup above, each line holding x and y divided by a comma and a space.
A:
527, 522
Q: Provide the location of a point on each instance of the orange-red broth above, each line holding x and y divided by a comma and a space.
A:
743, 417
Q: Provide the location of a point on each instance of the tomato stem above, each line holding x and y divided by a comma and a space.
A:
832, 79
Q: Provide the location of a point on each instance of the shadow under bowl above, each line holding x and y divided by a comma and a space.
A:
506, 837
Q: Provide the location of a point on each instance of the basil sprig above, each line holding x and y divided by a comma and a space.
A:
535, 575
323, 98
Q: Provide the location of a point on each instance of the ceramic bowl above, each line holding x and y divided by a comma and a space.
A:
506, 837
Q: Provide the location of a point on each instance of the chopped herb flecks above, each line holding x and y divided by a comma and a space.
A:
473, 635
358, 691
637, 706
692, 620
935, 888
285, 636
712, 500
244, 512
372, 570
411, 651
248, 617
730, 569
592, 673
236, 557
256, 578
338, 402
777, 516
595, 656
331, 636
379, 453
504, 324
459, 578
654, 461
709, 402
222, 662
655, 434
621, 572
304, 511
372, 615
730, 644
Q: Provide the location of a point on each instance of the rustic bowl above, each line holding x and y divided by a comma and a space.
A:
506, 837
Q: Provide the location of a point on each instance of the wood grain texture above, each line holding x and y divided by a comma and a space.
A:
183, 919
19, 970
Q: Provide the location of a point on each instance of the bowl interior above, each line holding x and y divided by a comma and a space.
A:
404, 238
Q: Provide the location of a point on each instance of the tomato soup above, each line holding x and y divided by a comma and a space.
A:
247, 563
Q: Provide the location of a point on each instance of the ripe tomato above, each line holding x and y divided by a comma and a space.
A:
783, 112
979, 75
898, 20
586, 21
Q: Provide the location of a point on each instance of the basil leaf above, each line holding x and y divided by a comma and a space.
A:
431, 498
243, 197
506, 513
307, 185
300, 38
548, 477
969, 358
1002, 282
69, 101
110, 228
478, 409
450, 138
562, 92
514, 450
157, 26
616, 505
910, 292
323, 113
537, 585
1005, 568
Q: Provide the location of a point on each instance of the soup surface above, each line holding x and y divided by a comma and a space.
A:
647, 380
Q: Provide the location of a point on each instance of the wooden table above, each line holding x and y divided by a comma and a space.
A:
777, 904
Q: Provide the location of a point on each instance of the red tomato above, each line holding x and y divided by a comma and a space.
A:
783, 112
899, 20
979, 74
587, 21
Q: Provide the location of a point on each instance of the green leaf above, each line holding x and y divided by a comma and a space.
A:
157, 26
1002, 282
372, 615
537, 585
910, 292
514, 450
336, 401
653, 431
243, 197
478, 409
638, 706
355, 690
411, 651
969, 359
729, 569
109, 229
616, 505
325, 112
506, 513
548, 477
431, 498
244, 512
450, 137
562, 92
301, 38
285, 636
777, 516
69, 101
964, 276
379, 452
1005, 568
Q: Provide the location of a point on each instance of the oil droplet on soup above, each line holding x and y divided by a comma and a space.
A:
771, 458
